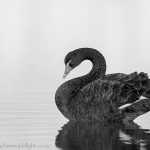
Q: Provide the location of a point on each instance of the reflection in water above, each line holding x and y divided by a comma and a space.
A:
100, 136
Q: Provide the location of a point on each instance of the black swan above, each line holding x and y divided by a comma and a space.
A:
97, 96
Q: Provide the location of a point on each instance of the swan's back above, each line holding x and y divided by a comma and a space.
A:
101, 97
117, 87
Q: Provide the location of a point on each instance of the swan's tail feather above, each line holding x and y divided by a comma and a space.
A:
147, 92
136, 85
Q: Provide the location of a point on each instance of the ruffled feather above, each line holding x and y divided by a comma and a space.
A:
117, 88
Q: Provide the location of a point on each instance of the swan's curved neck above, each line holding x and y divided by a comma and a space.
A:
99, 65
68, 89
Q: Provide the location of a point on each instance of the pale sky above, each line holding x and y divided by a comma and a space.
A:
35, 36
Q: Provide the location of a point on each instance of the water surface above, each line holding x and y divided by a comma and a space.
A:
30, 120
100, 136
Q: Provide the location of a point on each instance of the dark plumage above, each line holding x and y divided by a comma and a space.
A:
97, 96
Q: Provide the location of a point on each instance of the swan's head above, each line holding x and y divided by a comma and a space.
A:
72, 60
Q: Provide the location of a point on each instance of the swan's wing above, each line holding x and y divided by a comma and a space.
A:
118, 88
115, 76
100, 91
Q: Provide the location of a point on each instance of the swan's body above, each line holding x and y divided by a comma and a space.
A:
96, 96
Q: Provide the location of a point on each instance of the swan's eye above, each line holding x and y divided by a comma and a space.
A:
71, 65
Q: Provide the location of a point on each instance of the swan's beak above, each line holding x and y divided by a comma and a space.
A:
67, 70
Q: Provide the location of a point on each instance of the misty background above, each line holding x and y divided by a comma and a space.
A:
35, 36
